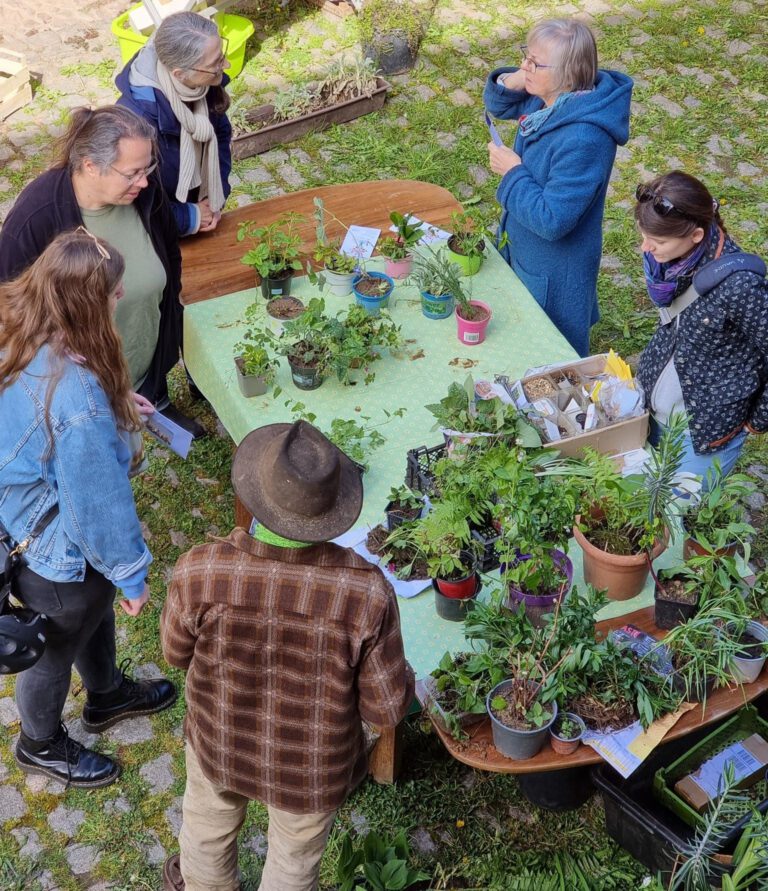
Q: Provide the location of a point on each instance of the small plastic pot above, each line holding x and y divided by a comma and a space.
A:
275, 323
304, 376
471, 333
669, 613
454, 609
438, 713
436, 307
339, 283
746, 669
469, 265
463, 586
396, 518
566, 745
539, 605
398, 268
250, 384
277, 285
510, 742
373, 304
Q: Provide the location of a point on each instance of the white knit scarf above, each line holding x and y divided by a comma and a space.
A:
199, 150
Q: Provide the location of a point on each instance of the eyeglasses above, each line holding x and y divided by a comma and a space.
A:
535, 65
103, 252
133, 178
219, 64
663, 206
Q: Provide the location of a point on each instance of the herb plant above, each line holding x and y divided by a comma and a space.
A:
716, 517
276, 246
435, 274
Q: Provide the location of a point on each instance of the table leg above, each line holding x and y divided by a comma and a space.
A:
243, 516
385, 760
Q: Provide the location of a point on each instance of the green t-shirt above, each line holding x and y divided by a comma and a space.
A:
138, 312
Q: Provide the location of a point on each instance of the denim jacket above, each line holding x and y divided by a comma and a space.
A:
83, 478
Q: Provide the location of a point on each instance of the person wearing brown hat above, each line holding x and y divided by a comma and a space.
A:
290, 643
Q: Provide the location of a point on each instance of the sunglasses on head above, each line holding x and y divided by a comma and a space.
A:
663, 206
102, 251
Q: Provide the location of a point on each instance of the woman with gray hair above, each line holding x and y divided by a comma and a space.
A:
176, 83
553, 183
104, 179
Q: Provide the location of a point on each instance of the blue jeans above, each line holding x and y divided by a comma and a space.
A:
728, 455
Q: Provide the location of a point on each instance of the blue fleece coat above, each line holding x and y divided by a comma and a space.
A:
153, 106
552, 203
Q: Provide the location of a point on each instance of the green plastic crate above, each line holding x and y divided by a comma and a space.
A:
743, 724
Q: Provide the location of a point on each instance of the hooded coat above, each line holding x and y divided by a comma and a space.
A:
552, 203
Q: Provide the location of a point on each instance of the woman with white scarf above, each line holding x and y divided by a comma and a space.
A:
176, 82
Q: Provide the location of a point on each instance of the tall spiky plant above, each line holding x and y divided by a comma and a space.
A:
658, 493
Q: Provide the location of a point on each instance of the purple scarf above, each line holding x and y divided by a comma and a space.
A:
665, 281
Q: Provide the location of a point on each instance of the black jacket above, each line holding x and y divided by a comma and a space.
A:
720, 351
48, 206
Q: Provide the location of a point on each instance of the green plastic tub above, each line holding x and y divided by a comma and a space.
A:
743, 724
235, 28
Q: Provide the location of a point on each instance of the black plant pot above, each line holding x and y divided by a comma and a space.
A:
453, 609
391, 52
304, 377
396, 518
277, 285
669, 613
557, 790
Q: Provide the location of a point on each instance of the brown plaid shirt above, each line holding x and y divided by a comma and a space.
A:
285, 651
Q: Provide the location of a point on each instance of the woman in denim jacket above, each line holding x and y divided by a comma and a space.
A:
68, 410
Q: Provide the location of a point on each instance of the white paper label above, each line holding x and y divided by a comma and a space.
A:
709, 776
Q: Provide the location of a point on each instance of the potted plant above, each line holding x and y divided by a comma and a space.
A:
397, 249
307, 343
372, 290
472, 319
339, 269
675, 596
715, 521
751, 649
437, 280
404, 505
281, 310
274, 253
625, 521
256, 368
390, 33
566, 732
520, 714
466, 246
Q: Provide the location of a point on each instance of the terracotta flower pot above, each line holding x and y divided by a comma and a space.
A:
692, 548
621, 576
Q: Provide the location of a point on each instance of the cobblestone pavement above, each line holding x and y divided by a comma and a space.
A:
47, 832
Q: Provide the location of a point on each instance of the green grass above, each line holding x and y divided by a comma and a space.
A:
485, 834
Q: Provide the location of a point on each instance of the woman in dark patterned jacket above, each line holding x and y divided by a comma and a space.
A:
709, 355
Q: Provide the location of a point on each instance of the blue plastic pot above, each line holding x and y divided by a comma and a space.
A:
373, 305
436, 307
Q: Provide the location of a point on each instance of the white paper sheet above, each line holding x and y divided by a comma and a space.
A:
360, 241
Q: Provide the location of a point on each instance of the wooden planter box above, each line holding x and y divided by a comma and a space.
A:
263, 140
15, 89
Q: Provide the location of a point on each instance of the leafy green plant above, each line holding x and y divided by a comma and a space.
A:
716, 517
376, 864
408, 234
460, 685
333, 260
434, 273
469, 230
276, 246
256, 351
405, 499
565, 727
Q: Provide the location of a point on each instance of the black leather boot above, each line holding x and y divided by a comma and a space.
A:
131, 699
66, 760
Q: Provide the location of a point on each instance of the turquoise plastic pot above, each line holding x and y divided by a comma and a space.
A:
373, 305
436, 307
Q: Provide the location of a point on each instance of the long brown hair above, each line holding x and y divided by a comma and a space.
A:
62, 301
694, 207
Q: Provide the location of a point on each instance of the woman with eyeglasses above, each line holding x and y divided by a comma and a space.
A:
709, 355
65, 455
572, 116
176, 82
104, 179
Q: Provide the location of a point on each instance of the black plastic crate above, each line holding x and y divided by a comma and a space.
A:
486, 537
420, 464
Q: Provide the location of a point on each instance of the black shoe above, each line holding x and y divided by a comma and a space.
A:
131, 699
66, 760
194, 427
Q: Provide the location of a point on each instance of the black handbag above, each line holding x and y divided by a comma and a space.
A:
22, 630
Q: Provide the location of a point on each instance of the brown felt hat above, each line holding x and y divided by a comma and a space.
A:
296, 482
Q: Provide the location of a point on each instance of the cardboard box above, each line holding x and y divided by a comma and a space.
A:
749, 758
623, 436
15, 89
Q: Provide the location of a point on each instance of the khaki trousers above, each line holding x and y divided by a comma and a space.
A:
212, 818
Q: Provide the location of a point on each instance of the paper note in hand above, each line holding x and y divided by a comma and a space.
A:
169, 433
494, 132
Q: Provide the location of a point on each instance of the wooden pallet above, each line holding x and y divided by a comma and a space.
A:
15, 89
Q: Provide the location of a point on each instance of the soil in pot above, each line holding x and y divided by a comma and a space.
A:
749, 661
250, 384
284, 308
674, 604
397, 514
277, 285
750, 647
614, 715
469, 265
472, 322
400, 558
305, 377
442, 702
370, 287
513, 736
565, 740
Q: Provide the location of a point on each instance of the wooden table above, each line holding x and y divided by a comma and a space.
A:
211, 261
211, 268
479, 751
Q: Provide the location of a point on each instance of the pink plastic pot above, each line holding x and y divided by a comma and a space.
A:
398, 268
472, 333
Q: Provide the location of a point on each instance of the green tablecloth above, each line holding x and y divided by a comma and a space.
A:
520, 336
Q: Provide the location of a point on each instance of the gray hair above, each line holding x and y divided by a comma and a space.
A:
180, 40
575, 52
95, 134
